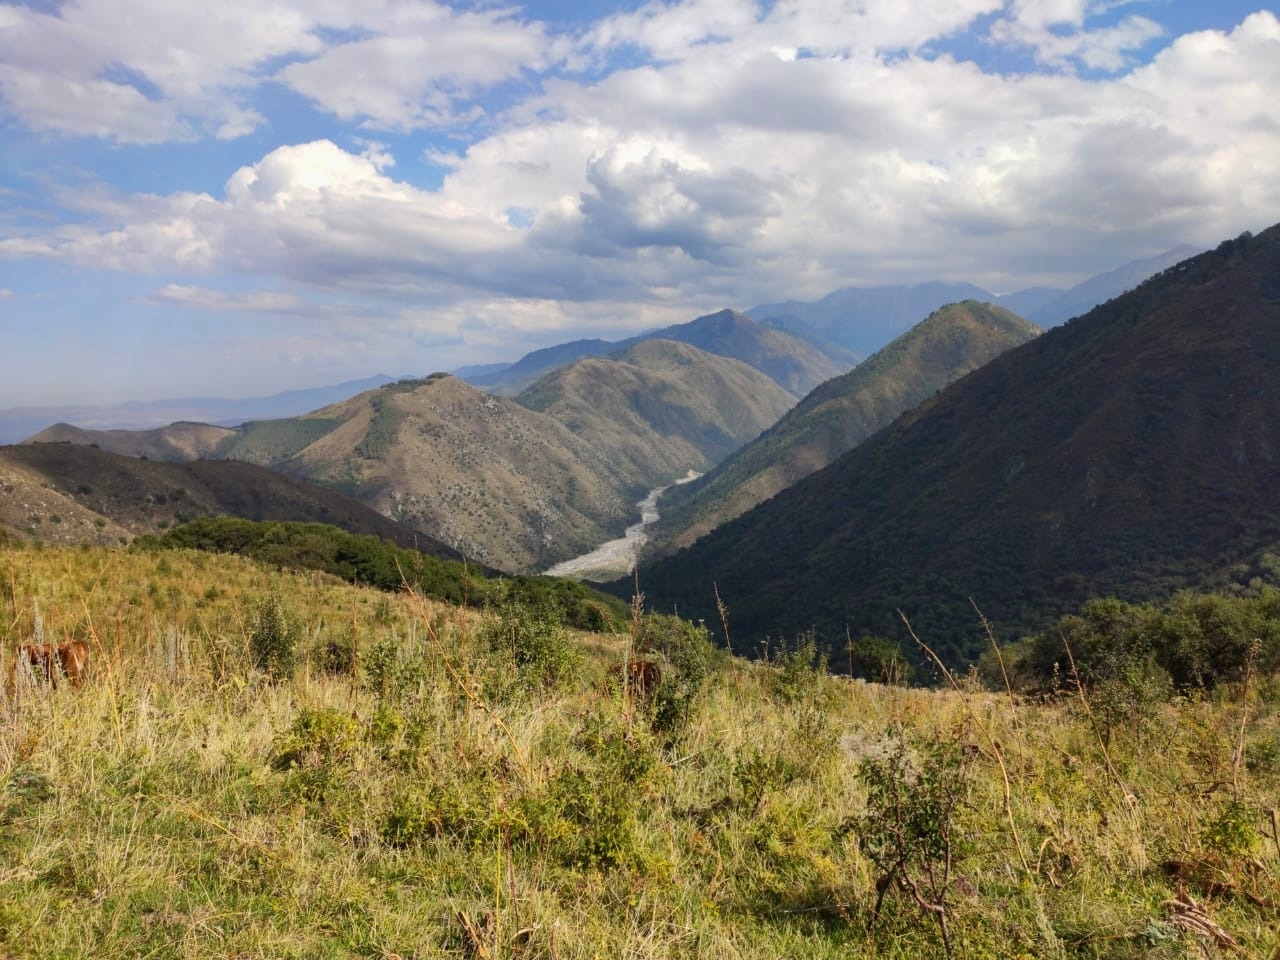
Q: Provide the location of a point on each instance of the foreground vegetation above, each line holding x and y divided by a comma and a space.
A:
281, 764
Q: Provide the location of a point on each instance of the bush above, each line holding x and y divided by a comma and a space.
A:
534, 637
690, 657
274, 632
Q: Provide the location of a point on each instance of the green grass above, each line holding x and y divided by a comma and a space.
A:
268, 442
452, 797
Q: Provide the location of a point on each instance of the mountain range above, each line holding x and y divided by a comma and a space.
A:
864, 319
517, 485
19, 423
1132, 451
660, 408
795, 362
840, 414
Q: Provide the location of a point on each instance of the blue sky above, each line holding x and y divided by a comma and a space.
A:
238, 198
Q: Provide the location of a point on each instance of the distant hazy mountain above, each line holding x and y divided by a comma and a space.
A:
1027, 302
511, 378
1083, 297
864, 319
660, 408
66, 493
19, 423
841, 413
793, 361
478, 370
1130, 452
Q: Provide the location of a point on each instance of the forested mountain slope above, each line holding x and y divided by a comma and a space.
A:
1132, 451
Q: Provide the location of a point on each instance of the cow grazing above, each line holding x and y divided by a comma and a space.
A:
642, 676
53, 661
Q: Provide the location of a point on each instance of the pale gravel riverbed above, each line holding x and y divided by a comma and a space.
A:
617, 557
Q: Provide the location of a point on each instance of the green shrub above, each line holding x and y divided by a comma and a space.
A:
534, 637
337, 654
317, 736
801, 669
1231, 832
274, 632
915, 790
689, 658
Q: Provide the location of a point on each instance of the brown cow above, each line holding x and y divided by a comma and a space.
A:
52, 661
643, 676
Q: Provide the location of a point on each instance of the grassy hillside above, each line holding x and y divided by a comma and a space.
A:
1131, 452
64, 493
508, 486
176, 442
793, 362
416, 781
660, 408
840, 414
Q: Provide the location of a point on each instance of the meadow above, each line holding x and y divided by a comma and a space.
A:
272, 763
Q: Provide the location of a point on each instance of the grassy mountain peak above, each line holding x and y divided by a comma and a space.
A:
660, 407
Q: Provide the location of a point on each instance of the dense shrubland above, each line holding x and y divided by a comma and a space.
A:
377, 563
274, 763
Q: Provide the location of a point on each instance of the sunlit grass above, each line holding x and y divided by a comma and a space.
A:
444, 801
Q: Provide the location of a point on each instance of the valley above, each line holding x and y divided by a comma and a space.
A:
617, 558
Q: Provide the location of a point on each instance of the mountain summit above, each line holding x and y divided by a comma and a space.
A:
792, 361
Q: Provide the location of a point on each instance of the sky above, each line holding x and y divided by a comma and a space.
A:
237, 198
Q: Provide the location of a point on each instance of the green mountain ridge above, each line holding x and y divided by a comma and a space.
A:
1132, 451
795, 362
841, 413
661, 408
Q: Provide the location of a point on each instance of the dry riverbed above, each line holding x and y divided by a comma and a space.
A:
617, 558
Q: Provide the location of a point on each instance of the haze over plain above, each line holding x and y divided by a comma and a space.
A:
242, 198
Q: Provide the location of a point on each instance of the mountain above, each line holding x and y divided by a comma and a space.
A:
840, 414
1085, 296
511, 378
1027, 302
264, 442
1133, 451
19, 423
66, 493
660, 408
794, 362
864, 319
177, 442
514, 487
504, 484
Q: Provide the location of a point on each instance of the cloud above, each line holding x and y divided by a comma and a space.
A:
202, 298
147, 71
143, 71
5, 293
413, 63
722, 169
742, 29
1057, 32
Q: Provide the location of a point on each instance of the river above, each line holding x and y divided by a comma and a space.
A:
617, 557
